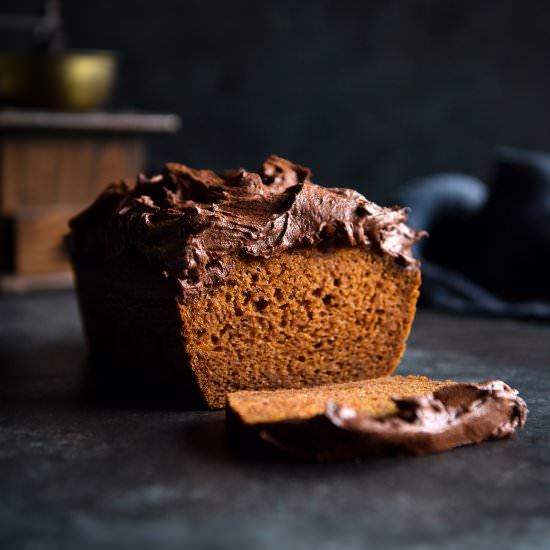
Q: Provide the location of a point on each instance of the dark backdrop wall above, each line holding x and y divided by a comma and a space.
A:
369, 94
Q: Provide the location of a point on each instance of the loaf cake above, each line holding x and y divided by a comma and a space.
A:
245, 280
373, 418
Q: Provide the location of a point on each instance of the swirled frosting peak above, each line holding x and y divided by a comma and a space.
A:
192, 223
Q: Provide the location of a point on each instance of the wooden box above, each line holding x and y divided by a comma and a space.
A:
52, 165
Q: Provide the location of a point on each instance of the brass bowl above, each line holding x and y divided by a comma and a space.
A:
67, 81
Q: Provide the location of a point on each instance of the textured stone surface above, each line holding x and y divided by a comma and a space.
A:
78, 473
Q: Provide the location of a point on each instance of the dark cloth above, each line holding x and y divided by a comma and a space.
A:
489, 245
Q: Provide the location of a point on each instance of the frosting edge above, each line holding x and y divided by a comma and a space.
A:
188, 222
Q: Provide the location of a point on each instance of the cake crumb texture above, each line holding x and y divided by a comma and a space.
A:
305, 318
367, 397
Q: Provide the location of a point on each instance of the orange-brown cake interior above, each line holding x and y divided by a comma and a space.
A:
304, 318
368, 397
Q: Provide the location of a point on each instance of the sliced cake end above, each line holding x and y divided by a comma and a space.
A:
386, 416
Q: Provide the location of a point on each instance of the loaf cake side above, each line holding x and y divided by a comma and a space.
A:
246, 280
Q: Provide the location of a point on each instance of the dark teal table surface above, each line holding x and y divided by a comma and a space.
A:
77, 473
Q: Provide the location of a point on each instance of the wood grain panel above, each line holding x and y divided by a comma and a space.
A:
38, 239
52, 170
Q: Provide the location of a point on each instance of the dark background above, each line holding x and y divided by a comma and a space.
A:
369, 94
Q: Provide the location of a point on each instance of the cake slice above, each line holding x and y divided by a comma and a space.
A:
245, 280
373, 418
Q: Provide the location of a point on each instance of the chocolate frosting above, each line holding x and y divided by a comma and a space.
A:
191, 224
456, 415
